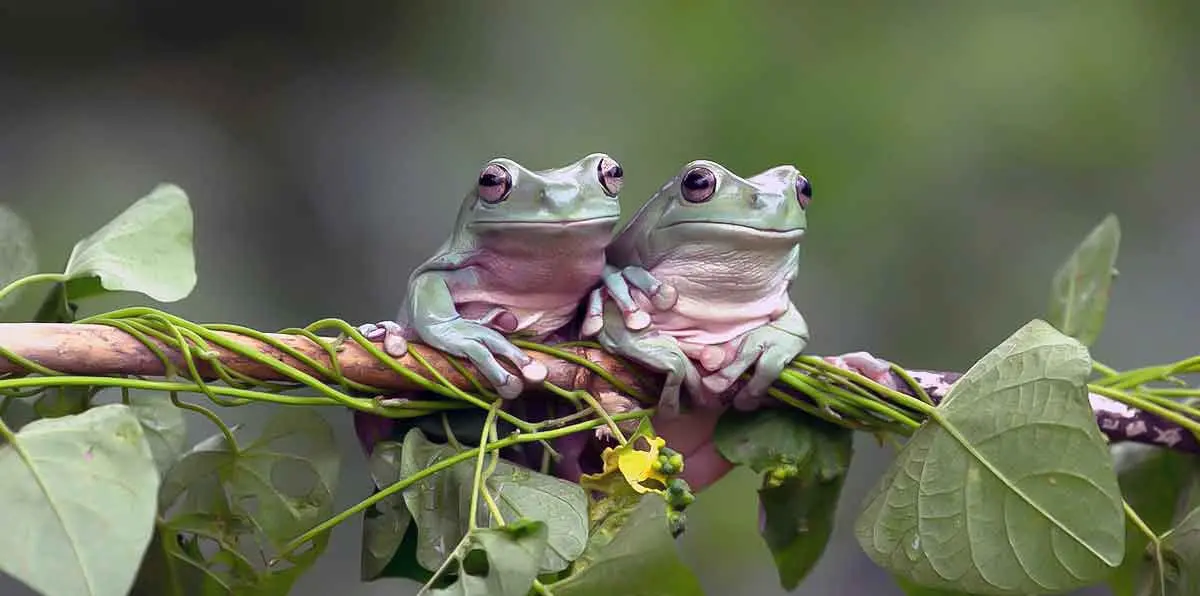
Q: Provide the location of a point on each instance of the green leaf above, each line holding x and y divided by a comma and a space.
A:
1152, 481
1079, 292
441, 504
911, 589
632, 555
146, 249
243, 505
807, 461
512, 553
56, 402
797, 516
164, 427
1181, 556
18, 412
765, 439
78, 503
1009, 487
17, 257
385, 525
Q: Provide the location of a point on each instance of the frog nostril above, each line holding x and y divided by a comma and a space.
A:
803, 191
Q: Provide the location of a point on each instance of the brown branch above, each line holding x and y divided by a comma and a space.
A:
99, 350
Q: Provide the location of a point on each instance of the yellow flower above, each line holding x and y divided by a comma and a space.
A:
637, 465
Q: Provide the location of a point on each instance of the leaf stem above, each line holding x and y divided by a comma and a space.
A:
1147, 406
31, 279
473, 520
513, 439
1151, 537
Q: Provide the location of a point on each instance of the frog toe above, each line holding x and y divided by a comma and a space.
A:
534, 372
395, 345
371, 331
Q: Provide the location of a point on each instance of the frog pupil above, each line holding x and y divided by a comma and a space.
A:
805, 188
696, 180
489, 179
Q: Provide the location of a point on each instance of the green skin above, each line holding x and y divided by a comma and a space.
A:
518, 263
710, 281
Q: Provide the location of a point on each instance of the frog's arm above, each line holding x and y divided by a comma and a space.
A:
657, 352
624, 271
431, 312
769, 349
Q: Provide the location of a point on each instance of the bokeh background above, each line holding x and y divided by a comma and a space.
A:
958, 151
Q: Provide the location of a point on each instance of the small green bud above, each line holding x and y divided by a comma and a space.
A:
677, 522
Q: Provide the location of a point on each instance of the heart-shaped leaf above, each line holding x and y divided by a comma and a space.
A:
78, 503
441, 504
805, 461
512, 553
164, 427
1152, 481
911, 589
17, 257
765, 439
1009, 487
229, 510
632, 554
1181, 558
385, 525
146, 249
1079, 294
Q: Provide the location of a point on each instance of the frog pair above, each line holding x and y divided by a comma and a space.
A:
699, 275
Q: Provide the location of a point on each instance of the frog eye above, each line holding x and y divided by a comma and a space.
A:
698, 185
611, 176
494, 183
803, 192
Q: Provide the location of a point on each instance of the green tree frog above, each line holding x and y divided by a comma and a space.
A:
710, 258
526, 249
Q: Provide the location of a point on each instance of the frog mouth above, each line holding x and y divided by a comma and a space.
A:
741, 229
533, 224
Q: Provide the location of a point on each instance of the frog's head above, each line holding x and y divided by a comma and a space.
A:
706, 201
508, 196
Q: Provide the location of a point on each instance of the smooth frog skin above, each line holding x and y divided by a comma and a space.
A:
526, 249
723, 251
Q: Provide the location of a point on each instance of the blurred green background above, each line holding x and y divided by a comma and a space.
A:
958, 151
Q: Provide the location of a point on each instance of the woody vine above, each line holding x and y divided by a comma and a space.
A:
1014, 478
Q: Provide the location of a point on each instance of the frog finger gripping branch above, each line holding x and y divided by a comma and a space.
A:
526, 248
727, 248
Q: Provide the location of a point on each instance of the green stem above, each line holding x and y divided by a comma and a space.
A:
473, 520
212, 417
444, 464
1146, 405
1144, 528
31, 279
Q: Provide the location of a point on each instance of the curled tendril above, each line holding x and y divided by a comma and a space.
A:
809, 383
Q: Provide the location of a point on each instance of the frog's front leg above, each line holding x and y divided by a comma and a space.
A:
657, 352
769, 349
436, 320
619, 284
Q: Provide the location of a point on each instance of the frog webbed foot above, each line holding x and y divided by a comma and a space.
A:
392, 333
619, 284
664, 355
480, 345
769, 350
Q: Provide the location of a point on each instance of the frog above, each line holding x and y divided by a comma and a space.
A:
696, 284
526, 248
